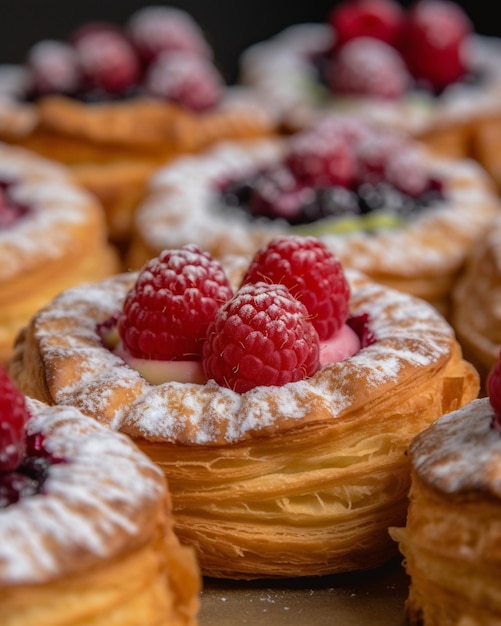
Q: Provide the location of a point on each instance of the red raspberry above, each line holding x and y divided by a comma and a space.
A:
312, 274
13, 417
375, 152
156, 29
108, 61
321, 159
380, 19
53, 68
166, 314
185, 78
433, 43
261, 336
493, 386
368, 67
10, 210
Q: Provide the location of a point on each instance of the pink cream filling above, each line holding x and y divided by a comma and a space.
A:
343, 345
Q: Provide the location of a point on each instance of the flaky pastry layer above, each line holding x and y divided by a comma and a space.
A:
452, 537
297, 480
98, 546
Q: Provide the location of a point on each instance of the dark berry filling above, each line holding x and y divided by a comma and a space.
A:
275, 194
11, 211
359, 324
29, 477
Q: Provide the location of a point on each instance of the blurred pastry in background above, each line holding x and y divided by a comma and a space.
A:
380, 200
422, 69
53, 236
115, 101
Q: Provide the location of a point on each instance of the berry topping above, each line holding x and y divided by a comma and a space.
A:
185, 78
493, 387
360, 325
53, 68
380, 19
108, 61
13, 417
321, 159
433, 42
311, 273
369, 67
261, 336
10, 210
166, 314
157, 29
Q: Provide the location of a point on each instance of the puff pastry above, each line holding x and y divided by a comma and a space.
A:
303, 479
98, 546
452, 536
60, 241
423, 256
280, 69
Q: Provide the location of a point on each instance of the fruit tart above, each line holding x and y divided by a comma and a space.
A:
452, 537
278, 393
476, 302
52, 236
86, 525
422, 69
115, 101
381, 201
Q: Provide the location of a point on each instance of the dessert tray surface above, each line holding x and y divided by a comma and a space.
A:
376, 598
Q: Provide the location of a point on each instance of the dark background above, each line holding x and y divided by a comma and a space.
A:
229, 25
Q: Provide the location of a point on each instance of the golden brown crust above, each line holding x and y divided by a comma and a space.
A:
257, 477
114, 147
451, 541
60, 243
102, 532
476, 310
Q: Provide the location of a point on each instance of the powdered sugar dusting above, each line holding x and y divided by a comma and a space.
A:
92, 506
461, 452
411, 336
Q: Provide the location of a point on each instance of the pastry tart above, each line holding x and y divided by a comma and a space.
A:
452, 536
273, 473
86, 525
52, 236
390, 64
392, 209
115, 118
476, 310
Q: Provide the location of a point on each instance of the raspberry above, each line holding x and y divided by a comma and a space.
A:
380, 19
321, 159
166, 313
108, 61
312, 274
10, 210
433, 44
368, 67
493, 386
53, 68
13, 417
375, 153
184, 78
261, 336
157, 29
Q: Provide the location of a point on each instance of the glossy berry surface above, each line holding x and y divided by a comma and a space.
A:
176, 295
380, 19
312, 274
261, 336
433, 42
13, 417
